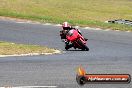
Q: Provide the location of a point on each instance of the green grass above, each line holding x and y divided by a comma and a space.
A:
7, 48
91, 13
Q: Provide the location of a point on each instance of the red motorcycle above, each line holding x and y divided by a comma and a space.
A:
77, 40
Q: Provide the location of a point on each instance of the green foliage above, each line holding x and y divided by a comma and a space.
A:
7, 48
91, 13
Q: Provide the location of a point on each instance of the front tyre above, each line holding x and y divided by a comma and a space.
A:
84, 47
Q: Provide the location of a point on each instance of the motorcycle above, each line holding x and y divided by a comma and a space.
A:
77, 40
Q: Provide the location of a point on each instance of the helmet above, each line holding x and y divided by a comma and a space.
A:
66, 26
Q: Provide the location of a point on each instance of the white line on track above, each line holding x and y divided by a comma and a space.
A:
89, 28
117, 30
30, 87
128, 31
106, 30
76, 26
21, 22
28, 22
98, 29
47, 24
86, 28
57, 25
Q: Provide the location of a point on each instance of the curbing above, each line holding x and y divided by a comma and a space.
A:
32, 54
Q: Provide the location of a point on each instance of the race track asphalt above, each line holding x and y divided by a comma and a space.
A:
110, 53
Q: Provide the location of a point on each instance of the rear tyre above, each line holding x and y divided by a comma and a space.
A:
66, 48
84, 47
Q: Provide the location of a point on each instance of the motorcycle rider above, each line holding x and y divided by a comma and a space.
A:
66, 28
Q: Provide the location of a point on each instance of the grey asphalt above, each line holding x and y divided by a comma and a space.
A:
110, 52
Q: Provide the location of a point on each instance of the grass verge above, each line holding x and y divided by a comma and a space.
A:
7, 48
91, 13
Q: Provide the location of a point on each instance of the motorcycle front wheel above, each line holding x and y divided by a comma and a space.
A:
84, 47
